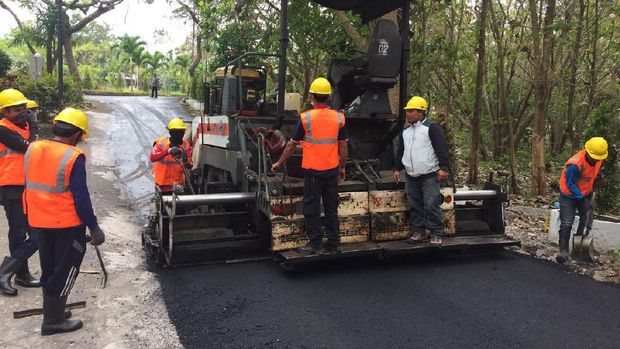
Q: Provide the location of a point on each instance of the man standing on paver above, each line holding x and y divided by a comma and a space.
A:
59, 209
321, 132
576, 188
15, 138
423, 153
169, 155
154, 85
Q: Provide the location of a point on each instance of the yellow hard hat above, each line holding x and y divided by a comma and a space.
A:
11, 97
321, 86
597, 148
31, 104
176, 124
74, 117
417, 102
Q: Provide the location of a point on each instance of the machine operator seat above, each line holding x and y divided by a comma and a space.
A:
362, 82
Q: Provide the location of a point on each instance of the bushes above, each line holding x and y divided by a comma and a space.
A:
45, 92
195, 91
605, 123
5, 63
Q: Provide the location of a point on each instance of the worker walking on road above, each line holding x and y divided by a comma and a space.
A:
576, 188
423, 153
322, 134
169, 155
15, 137
154, 85
59, 209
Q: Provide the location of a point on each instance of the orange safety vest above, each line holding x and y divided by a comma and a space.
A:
168, 171
48, 200
320, 144
588, 174
12, 161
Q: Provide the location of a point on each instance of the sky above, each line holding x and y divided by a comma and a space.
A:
133, 17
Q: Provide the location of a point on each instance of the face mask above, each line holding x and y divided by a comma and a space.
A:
176, 137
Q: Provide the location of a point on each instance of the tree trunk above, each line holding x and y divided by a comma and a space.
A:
69, 58
591, 84
542, 62
474, 160
50, 61
197, 55
574, 60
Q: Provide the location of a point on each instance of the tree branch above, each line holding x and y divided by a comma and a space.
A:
19, 24
360, 41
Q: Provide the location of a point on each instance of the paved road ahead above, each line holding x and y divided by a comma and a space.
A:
477, 302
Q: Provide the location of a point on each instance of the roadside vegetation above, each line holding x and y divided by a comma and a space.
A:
519, 85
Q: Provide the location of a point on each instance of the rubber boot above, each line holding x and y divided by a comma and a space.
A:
24, 278
54, 320
563, 257
8, 268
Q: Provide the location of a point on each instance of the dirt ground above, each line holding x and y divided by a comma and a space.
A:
129, 312
529, 224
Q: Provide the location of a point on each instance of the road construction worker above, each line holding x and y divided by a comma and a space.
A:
58, 207
322, 134
576, 188
423, 153
15, 137
169, 154
33, 118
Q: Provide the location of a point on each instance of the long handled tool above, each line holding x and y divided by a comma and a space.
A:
39, 311
104, 281
583, 245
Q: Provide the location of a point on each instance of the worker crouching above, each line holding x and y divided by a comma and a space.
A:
169, 155
58, 207
576, 188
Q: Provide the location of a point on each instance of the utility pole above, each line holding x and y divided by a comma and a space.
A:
59, 54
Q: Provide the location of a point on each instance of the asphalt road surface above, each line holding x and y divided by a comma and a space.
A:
500, 301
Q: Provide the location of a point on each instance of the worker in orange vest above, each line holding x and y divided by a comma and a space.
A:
15, 137
58, 208
576, 188
169, 154
322, 134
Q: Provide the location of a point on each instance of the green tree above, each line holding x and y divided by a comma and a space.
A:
5, 63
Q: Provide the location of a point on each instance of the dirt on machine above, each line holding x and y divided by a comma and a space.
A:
241, 209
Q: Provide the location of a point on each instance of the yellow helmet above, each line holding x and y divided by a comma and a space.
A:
11, 97
597, 148
74, 117
417, 102
31, 104
321, 86
176, 124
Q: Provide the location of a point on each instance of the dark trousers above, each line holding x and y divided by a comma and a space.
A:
568, 207
154, 91
315, 189
424, 199
61, 252
22, 243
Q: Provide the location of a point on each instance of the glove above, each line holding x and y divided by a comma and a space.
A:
176, 152
97, 236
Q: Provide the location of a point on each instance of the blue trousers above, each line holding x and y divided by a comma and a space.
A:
568, 207
424, 199
61, 252
22, 241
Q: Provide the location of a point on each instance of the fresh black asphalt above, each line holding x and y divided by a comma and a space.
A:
501, 301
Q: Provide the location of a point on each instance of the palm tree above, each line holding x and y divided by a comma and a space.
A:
131, 47
182, 63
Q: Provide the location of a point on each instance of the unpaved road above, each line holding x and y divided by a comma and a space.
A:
466, 302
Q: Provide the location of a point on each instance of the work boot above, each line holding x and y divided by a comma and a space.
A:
330, 247
54, 317
8, 268
311, 248
563, 257
24, 278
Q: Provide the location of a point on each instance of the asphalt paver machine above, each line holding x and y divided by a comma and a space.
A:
242, 209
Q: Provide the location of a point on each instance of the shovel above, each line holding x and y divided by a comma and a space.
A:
583, 245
